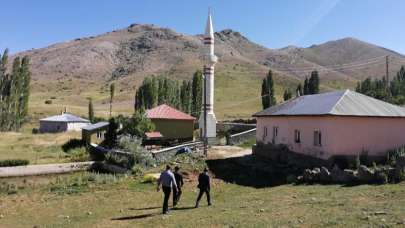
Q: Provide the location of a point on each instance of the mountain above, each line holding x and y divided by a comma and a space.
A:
72, 71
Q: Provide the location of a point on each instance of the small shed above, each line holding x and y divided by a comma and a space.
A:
94, 132
172, 124
62, 123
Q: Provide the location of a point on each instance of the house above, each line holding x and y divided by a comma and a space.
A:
172, 124
343, 123
94, 133
62, 123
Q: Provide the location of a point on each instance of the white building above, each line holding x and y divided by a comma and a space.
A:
62, 123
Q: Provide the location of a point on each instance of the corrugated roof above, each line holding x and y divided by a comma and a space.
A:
92, 127
65, 117
166, 112
339, 103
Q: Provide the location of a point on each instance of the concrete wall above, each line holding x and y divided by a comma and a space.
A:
175, 129
241, 137
340, 135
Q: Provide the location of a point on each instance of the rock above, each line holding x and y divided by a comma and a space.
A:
1, 216
365, 174
89, 213
324, 176
261, 210
380, 213
381, 176
343, 176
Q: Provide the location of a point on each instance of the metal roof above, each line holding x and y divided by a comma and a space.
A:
92, 127
65, 117
338, 103
166, 112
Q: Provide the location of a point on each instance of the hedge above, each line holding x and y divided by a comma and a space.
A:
13, 162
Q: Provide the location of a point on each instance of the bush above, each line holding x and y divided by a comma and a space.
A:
141, 156
73, 144
393, 155
35, 131
119, 160
48, 102
13, 162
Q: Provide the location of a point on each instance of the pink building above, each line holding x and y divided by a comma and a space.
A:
334, 123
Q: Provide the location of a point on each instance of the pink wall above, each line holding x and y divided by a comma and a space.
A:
340, 135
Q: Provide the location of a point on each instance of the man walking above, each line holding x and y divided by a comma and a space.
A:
179, 181
204, 186
168, 182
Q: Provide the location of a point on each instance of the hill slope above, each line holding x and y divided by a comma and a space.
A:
70, 72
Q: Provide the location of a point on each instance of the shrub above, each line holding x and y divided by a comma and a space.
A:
13, 162
48, 102
35, 131
73, 144
141, 156
393, 155
119, 160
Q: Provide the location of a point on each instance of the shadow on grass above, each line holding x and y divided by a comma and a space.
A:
182, 208
145, 208
134, 217
250, 171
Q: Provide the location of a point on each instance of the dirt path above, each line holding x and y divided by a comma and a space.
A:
222, 152
32, 170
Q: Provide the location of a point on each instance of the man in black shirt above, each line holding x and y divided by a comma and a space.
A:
177, 190
204, 186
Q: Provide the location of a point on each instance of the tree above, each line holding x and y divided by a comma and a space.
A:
111, 136
91, 110
268, 95
197, 93
313, 83
287, 94
112, 93
299, 91
306, 87
138, 124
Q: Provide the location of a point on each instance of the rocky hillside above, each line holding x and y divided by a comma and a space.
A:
83, 67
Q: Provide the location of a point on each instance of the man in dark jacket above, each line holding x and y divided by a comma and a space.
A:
179, 181
204, 186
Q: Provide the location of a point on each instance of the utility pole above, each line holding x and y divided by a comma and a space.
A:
387, 76
205, 117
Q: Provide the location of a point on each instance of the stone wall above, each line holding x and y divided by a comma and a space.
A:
234, 127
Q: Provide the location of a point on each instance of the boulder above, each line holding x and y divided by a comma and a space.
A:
346, 176
324, 175
365, 174
350, 176
381, 176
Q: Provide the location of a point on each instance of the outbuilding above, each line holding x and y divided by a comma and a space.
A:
342, 123
172, 124
62, 123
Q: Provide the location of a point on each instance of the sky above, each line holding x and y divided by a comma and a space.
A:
28, 24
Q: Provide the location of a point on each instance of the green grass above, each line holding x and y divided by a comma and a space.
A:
37, 148
77, 201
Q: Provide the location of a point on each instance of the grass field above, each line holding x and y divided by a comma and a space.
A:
105, 201
37, 148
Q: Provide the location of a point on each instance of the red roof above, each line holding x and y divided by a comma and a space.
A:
166, 112
153, 135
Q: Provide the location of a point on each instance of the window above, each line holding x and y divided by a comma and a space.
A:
297, 136
265, 132
317, 138
275, 133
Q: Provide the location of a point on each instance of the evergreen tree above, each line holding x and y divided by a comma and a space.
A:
91, 111
265, 94
313, 83
197, 93
306, 87
299, 91
111, 136
112, 93
287, 95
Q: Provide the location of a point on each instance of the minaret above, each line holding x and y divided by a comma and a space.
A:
210, 59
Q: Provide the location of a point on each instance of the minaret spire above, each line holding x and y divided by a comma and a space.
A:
210, 59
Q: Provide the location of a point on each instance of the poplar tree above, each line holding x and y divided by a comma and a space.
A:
197, 93
268, 95
112, 93
91, 110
